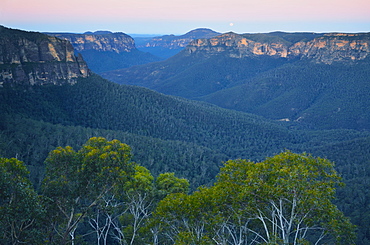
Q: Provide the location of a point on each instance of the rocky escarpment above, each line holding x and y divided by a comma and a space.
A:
334, 47
35, 58
100, 41
176, 42
326, 48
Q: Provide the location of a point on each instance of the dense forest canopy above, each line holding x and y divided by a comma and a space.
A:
198, 156
97, 162
99, 195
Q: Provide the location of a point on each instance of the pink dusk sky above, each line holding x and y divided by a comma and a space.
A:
178, 17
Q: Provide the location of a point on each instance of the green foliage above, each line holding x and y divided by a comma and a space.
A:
76, 181
244, 189
186, 219
295, 185
204, 128
314, 95
192, 77
169, 134
21, 212
199, 164
284, 199
167, 183
142, 181
189, 138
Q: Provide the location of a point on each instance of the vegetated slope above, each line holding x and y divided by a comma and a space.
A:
352, 159
288, 76
31, 140
315, 95
102, 105
98, 103
167, 133
192, 76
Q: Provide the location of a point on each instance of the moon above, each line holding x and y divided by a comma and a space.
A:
231, 24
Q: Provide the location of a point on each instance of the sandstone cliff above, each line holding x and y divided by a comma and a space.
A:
326, 48
100, 41
35, 58
334, 47
176, 42
106, 51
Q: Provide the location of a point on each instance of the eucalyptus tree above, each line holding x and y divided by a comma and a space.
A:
187, 219
286, 199
127, 216
21, 210
141, 196
137, 201
167, 183
77, 182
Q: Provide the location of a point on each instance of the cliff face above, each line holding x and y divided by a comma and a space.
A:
35, 58
113, 42
176, 42
236, 46
334, 47
327, 48
106, 51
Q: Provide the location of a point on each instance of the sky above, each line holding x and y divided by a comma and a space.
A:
178, 17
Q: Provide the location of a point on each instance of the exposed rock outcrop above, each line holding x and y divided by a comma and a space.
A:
176, 42
106, 51
326, 48
35, 58
334, 47
101, 41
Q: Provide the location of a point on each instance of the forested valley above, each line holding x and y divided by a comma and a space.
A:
168, 135
326, 89
97, 195
84, 160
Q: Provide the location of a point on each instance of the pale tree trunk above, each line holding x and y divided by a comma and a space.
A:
139, 207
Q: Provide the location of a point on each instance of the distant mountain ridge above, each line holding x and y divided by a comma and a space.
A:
101, 41
105, 50
35, 58
309, 78
191, 138
174, 42
325, 48
99, 32
169, 45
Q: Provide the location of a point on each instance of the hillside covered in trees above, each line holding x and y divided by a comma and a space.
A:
318, 80
98, 195
169, 134
166, 134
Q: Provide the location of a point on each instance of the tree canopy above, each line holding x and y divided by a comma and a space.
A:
76, 181
98, 195
286, 199
21, 210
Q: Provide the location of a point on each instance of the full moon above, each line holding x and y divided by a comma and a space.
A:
231, 24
